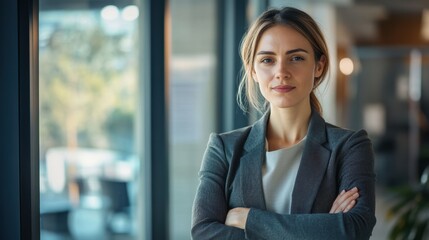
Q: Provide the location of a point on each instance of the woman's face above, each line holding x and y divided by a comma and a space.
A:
285, 67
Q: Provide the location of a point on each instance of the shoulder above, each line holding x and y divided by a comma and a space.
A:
221, 146
345, 138
332, 136
230, 139
337, 133
234, 135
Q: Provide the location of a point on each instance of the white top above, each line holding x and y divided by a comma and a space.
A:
278, 177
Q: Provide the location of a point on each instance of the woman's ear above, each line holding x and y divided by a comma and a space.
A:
320, 66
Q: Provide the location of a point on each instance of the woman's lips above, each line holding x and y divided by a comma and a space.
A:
283, 88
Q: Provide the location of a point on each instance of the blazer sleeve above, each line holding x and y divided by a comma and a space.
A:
355, 168
210, 207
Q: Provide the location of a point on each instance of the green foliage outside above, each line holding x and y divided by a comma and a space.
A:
88, 83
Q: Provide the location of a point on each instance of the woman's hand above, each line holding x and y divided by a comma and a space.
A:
345, 201
237, 217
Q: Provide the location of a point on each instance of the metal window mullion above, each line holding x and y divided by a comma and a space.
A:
28, 47
232, 21
155, 139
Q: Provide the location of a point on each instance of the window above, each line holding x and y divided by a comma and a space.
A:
88, 81
192, 72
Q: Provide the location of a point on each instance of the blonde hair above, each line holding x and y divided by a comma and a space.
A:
298, 20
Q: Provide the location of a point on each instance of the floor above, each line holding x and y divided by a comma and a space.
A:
383, 202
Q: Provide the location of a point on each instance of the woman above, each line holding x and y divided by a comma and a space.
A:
290, 175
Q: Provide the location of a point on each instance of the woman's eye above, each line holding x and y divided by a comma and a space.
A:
297, 58
266, 60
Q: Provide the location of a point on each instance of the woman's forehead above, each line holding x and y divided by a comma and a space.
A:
282, 37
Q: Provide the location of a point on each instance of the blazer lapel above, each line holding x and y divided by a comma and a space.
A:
251, 179
251, 166
312, 168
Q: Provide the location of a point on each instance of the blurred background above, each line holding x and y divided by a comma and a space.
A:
96, 73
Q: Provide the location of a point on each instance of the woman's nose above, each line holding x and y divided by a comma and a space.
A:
282, 71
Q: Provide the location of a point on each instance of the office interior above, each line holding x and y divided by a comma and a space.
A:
108, 106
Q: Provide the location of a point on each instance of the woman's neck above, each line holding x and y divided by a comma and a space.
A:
287, 126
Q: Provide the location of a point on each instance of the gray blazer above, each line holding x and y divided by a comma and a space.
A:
333, 159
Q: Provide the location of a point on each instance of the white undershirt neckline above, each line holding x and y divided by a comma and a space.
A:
278, 176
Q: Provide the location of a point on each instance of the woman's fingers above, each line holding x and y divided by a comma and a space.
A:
345, 201
350, 206
345, 204
237, 217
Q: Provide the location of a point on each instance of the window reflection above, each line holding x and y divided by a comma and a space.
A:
192, 86
88, 81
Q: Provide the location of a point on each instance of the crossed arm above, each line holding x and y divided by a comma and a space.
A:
345, 201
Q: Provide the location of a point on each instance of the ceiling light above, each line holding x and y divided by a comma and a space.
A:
130, 13
109, 12
346, 66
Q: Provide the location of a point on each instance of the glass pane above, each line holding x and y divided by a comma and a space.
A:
88, 108
192, 102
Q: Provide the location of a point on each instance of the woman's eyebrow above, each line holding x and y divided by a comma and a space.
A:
287, 53
265, 53
296, 50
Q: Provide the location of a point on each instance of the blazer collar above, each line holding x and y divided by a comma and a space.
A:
310, 173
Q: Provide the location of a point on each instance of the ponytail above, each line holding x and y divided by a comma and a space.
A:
315, 104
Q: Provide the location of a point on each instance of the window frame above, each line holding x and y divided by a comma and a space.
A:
28, 46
